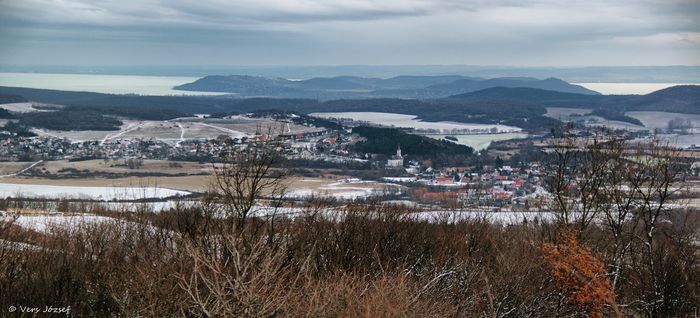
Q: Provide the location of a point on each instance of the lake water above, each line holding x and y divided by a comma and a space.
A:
162, 85
629, 88
109, 84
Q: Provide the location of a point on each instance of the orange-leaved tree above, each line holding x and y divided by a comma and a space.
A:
581, 275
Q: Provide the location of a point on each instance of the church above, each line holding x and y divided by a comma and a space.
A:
395, 161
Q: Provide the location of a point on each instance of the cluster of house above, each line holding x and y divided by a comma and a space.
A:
506, 187
52, 148
315, 144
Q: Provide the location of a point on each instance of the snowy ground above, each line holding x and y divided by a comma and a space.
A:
481, 141
44, 222
660, 119
20, 107
349, 189
96, 193
411, 121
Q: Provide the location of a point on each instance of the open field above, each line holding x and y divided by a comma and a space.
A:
563, 113
651, 120
199, 180
181, 129
118, 166
660, 119
21, 107
681, 141
76, 192
187, 183
196, 176
12, 167
482, 141
613, 124
46, 222
339, 189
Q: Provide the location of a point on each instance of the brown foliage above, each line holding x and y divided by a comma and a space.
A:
581, 275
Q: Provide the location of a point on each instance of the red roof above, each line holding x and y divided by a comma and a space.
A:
444, 179
439, 195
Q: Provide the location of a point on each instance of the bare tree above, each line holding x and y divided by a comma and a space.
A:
246, 174
627, 189
582, 168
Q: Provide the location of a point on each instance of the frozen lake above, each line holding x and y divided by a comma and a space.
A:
629, 88
412, 121
108, 84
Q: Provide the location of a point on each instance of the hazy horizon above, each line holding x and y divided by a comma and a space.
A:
603, 74
337, 32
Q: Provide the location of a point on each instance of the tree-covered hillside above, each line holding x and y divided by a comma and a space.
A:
386, 140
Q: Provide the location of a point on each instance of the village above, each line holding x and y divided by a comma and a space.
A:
516, 186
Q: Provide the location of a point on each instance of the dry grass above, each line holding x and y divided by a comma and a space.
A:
376, 262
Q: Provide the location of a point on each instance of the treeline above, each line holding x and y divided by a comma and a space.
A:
11, 98
297, 118
144, 113
385, 141
92, 118
615, 115
17, 129
70, 119
4, 113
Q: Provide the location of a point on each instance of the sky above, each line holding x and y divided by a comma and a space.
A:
350, 32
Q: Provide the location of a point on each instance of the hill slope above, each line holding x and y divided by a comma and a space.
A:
358, 87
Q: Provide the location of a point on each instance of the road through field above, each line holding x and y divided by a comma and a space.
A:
23, 170
129, 128
182, 134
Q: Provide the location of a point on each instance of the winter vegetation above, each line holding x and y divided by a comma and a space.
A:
614, 246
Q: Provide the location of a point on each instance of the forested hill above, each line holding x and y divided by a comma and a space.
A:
679, 99
421, 87
386, 140
11, 98
520, 107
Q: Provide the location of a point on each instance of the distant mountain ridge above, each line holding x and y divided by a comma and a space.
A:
421, 87
513, 106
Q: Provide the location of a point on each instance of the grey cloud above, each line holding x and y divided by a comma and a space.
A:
352, 31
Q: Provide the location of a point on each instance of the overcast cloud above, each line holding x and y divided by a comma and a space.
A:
326, 32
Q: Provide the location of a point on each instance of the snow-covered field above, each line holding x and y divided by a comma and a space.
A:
41, 223
681, 141
75, 192
345, 190
20, 107
564, 113
660, 119
614, 124
411, 121
481, 141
